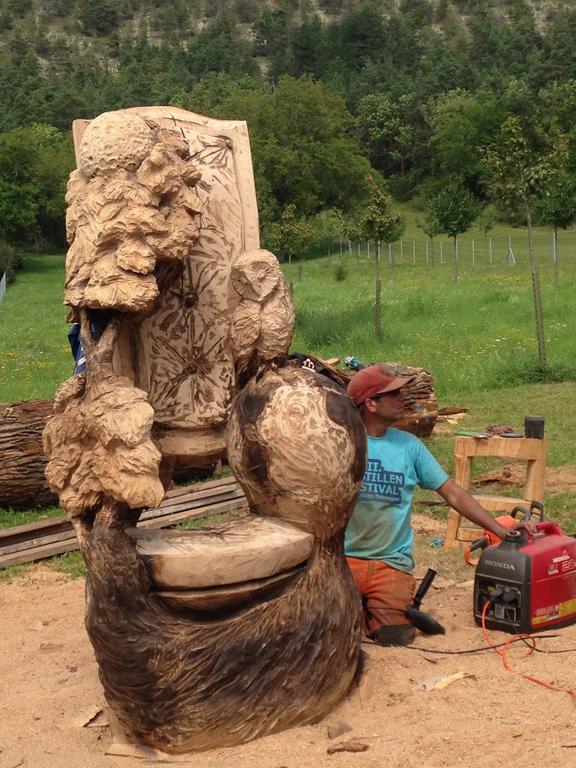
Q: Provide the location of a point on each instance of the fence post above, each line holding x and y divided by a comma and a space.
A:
378, 296
441, 253
510, 254
414, 251
401, 250
2, 287
473, 253
426, 251
490, 249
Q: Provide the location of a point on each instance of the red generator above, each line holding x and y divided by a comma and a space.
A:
529, 582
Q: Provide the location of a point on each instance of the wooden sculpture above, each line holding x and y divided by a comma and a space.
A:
213, 637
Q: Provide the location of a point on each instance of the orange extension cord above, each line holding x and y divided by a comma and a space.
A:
503, 653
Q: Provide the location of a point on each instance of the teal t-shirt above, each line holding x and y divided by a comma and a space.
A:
380, 527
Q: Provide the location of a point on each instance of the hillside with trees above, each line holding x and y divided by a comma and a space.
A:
416, 94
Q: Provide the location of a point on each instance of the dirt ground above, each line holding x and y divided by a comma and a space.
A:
483, 717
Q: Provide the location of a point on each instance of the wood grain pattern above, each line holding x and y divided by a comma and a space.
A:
22, 460
212, 638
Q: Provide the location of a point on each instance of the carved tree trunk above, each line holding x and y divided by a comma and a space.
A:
22, 460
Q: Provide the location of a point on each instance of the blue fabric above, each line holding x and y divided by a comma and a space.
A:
77, 349
380, 527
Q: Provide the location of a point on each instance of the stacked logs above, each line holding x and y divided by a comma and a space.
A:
420, 405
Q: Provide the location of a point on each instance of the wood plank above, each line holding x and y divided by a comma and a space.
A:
190, 504
47, 547
180, 517
466, 535
501, 503
527, 448
175, 501
21, 546
19, 532
39, 553
222, 481
59, 524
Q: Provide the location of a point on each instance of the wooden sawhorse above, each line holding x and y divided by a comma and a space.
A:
466, 449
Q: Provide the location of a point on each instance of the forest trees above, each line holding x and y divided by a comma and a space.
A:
303, 150
34, 165
329, 95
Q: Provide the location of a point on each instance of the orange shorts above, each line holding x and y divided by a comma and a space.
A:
386, 592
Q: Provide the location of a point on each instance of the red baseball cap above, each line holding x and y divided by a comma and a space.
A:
374, 380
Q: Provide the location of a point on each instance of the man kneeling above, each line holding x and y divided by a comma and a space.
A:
379, 540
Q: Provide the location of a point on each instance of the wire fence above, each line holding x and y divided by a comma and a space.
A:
2, 287
489, 251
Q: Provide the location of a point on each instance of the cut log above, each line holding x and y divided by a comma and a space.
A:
22, 461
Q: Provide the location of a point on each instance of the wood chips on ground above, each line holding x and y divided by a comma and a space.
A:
484, 717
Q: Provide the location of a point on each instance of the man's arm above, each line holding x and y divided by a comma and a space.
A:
460, 500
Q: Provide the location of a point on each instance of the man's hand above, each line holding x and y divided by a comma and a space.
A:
524, 525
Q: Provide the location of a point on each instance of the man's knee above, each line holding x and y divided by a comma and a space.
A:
394, 634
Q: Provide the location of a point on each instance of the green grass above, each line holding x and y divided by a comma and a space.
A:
70, 563
9, 518
475, 336
207, 522
8, 574
34, 353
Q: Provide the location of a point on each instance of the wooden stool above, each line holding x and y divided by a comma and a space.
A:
523, 448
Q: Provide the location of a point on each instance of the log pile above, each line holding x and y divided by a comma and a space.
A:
22, 460
421, 405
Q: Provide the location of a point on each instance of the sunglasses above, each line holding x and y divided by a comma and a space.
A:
392, 393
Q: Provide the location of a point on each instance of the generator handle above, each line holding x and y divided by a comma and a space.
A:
539, 506
480, 543
526, 512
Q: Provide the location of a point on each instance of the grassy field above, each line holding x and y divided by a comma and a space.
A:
35, 355
477, 338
